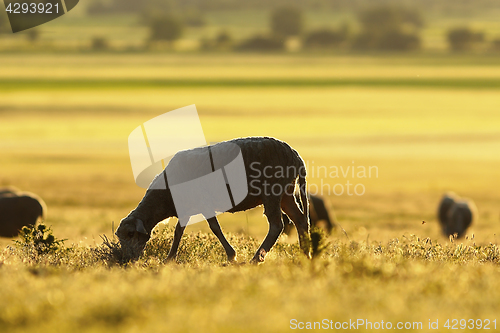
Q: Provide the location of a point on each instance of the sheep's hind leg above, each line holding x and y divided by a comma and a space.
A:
179, 230
289, 206
273, 213
215, 227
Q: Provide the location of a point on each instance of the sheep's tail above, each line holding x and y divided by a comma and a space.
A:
303, 194
43, 210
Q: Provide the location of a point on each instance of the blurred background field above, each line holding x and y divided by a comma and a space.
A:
66, 120
426, 116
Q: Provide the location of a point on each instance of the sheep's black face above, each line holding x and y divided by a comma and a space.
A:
133, 237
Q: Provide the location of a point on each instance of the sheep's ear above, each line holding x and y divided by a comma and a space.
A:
139, 227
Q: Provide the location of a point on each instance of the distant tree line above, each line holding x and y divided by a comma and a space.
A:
382, 27
457, 6
389, 28
464, 39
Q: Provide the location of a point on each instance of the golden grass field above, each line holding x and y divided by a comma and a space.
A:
64, 124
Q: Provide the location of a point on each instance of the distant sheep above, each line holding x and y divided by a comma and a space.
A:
9, 191
262, 157
456, 215
19, 209
318, 213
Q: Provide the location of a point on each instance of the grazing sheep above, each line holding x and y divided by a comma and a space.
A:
455, 215
19, 209
272, 169
317, 212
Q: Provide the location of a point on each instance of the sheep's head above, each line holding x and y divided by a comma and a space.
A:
133, 237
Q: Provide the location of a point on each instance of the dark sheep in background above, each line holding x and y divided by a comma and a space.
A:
9, 191
261, 155
455, 215
19, 209
447, 201
318, 214
460, 217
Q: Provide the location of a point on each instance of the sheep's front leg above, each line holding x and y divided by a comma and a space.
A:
215, 227
273, 213
179, 230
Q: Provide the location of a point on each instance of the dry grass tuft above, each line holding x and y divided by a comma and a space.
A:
110, 252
